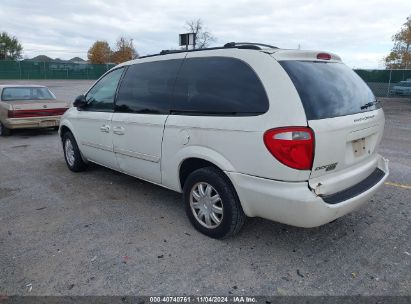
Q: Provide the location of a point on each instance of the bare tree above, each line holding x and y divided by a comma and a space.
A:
203, 37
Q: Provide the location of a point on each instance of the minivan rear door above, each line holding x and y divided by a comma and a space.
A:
346, 119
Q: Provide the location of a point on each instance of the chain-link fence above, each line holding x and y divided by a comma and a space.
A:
386, 83
51, 70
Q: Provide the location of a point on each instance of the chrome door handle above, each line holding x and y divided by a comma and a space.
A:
105, 128
118, 130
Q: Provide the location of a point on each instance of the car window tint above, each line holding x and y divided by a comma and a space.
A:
27, 93
148, 87
329, 89
101, 96
218, 86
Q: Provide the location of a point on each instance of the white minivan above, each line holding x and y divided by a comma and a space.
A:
241, 130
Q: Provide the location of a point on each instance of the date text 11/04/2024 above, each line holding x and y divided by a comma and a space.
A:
205, 299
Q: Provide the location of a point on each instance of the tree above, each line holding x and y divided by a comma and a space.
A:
99, 52
203, 38
10, 47
124, 51
400, 55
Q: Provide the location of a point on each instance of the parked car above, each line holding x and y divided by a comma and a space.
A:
28, 107
402, 88
241, 130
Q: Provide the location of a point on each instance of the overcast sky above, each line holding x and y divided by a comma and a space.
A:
359, 31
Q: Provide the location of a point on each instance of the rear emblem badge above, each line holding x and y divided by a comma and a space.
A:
327, 167
45, 107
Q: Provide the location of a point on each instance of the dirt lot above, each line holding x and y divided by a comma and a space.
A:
105, 233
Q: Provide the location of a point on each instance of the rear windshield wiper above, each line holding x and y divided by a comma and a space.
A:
369, 104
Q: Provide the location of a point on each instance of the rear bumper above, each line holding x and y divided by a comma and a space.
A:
293, 203
32, 122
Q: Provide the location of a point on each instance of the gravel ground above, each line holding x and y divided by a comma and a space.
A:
104, 233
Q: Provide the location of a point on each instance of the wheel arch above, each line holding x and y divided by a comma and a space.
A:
189, 165
65, 126
176, 167
64, 129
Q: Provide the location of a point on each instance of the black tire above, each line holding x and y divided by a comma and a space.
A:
76, 164
55, 128
4, 131
233, 216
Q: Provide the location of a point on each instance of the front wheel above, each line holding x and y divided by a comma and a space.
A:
72, 153
4, 131
212, 204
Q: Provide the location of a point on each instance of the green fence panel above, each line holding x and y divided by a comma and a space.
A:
382, 81
51, 70
9, 70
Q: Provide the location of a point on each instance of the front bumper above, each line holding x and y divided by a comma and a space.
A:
293, 203
32, 122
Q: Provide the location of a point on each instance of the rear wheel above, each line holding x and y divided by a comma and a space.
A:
4, 131
72, 153
212, 204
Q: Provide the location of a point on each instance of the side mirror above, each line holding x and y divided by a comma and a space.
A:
80, 102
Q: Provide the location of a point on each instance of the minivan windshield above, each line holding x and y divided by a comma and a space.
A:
27, 93
329, 89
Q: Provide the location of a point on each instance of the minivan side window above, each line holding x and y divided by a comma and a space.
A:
101, 97
218, 86
148, 87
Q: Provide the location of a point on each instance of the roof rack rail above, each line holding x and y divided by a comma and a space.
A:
252, 45
238, 45
165, 52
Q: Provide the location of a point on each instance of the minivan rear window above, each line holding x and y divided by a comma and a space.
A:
218, 86
329, 89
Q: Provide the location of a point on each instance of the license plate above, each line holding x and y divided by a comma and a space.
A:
51, 123
359, 147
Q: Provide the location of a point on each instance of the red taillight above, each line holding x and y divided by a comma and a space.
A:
323, 56
292, 146
36, 113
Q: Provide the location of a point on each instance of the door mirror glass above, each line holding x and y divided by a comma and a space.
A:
80, 101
